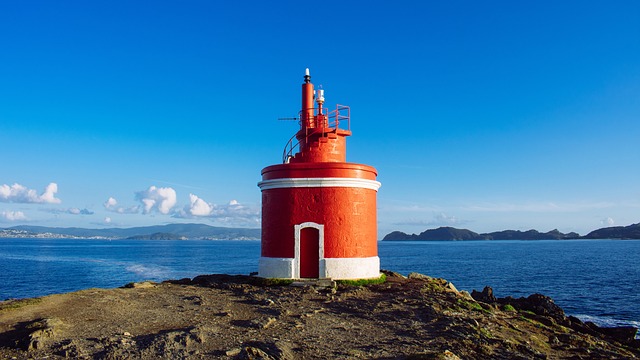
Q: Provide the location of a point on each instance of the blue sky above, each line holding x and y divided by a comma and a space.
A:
481, 115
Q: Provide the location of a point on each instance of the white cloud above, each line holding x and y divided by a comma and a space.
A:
107, 220
158, 199
608, 221
110, 204
13, 216
21, 194
231, 214
198, 206
72, 211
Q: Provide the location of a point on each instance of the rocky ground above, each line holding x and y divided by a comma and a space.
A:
242, 317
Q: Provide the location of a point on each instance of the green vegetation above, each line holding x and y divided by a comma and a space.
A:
363, 282
16, 304
470, 305
486, 333
275, 282
509, 308
532, 322
434, 286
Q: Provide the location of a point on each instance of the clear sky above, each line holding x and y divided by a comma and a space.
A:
481, 115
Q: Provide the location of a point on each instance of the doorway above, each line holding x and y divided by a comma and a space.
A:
309, 250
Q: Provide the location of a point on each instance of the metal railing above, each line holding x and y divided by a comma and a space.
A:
341, 114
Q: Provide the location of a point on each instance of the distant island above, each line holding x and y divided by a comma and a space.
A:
453, 234
206, 232
159, 232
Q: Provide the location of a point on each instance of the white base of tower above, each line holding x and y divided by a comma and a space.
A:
332, 268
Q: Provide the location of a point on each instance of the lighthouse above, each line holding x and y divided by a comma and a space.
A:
319, 216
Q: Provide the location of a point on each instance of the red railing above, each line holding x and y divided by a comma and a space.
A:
341, 114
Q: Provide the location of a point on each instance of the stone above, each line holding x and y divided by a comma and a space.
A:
448, 355
392, 274
450, 287
44, 330
141, 285
415, 275
252, 353
326, 284
485, 296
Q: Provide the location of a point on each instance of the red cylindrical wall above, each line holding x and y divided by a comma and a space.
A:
348, 212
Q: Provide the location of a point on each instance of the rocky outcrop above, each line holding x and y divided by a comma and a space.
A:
246, 317
541, 308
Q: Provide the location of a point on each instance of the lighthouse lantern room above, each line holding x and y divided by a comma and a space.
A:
319, 215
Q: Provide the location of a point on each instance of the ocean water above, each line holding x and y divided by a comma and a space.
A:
595, 280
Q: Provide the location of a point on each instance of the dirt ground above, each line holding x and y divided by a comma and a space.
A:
242, 317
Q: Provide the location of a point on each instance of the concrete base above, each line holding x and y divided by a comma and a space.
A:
331, 268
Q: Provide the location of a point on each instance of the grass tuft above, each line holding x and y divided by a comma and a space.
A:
470, 305
275, 282
363, 282
16, 304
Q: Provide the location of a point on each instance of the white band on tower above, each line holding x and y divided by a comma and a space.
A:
319, 182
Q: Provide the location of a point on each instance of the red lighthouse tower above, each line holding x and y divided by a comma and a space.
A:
319, 215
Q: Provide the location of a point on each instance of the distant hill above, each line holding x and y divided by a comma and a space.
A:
170, 231
158, 236
441, 233
616, 232
453, 234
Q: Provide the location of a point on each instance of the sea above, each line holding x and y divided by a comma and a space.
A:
594, 280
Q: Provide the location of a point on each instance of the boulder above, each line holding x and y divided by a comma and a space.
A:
415, 275
536, 303
485, 296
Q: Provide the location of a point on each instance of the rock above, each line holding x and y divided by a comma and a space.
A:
448, 355
485, 296
42, 332
233, 352
466, 295
623, 334
415, 275
450, 287
392, 274
326, 284
254, 353
263, 323
542, 305
141, 285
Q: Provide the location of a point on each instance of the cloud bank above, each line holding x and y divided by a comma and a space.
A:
71, 211
163, 200
12, 216
112, 205
232, 213
17, 193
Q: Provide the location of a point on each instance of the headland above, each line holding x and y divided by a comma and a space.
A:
247, 317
